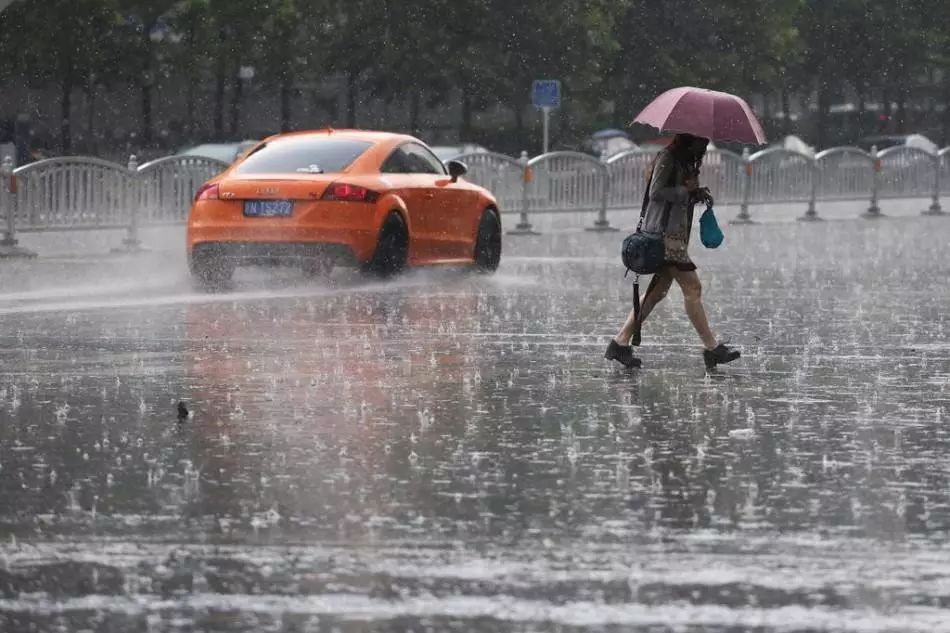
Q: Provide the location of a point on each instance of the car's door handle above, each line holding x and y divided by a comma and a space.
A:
429, 195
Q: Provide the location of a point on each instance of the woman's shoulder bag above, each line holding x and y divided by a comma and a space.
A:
644, 252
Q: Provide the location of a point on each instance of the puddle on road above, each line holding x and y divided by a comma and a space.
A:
451, 451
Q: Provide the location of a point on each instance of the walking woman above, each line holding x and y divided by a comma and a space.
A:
674, 190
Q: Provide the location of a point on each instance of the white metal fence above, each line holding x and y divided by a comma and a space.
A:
77, 193
81, 193
568, 181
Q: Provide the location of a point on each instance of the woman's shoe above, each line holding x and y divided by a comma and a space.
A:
720, 356
623, 354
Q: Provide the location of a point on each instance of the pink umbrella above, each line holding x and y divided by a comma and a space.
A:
718, 116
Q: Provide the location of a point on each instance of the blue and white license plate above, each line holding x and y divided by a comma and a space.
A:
268, 208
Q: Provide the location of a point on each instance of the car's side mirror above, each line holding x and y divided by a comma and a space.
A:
457, 169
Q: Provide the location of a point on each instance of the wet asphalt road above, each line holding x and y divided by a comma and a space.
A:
450, 452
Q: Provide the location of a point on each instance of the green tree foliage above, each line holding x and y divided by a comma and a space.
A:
143, 36
612, 56
79, 43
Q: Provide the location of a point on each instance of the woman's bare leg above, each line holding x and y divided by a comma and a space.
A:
692, 297
656, 291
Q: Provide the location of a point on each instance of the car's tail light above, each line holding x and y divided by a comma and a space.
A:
349, 193
207, 191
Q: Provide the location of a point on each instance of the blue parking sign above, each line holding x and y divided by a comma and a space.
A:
546, 93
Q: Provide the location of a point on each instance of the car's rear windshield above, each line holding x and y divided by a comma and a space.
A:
303, 155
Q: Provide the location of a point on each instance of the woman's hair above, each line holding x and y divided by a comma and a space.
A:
683, 149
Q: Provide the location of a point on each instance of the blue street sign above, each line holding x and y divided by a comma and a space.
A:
546, 93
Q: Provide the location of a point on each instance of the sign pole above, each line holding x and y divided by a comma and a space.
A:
545, 96
546, 115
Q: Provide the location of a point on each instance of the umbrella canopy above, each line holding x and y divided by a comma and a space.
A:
718, 116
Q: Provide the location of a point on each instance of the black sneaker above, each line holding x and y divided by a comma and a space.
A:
719, 356
623, 354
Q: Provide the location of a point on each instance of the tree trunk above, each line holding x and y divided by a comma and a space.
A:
946, 111
190, 107
862, 112
220, 80
351, 99
146, 113
885, 122
219, 98
519, 122
190, 79
822, 116
414, 99
66, 103
901, 109
147, 80
286, 92
465, 129
236, 94
786, 111
91, 117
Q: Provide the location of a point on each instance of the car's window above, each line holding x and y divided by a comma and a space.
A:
423, 161
412, 158
303, 155
397, 163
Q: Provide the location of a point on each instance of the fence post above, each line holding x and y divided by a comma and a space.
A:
9, 247
743, 217
935, 208
132, 243
874, 211
811, 215
602, 224
524, 226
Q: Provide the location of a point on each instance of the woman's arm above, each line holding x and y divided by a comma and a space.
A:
662, 174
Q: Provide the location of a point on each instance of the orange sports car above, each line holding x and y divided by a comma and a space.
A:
316, 199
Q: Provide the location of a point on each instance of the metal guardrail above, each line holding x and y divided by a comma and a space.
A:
71, 193
500, 174
563, 181
167, 186
943, 167
80, 193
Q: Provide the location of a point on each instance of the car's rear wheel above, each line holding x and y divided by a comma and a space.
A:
392, 248
488, 243
209, 268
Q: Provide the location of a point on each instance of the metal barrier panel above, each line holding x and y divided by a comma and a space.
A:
780, 175
72, 193
906, 172
944, 157
565, 181
89, 193
724, 172
502, 175
166, 187
627, 174
845, 173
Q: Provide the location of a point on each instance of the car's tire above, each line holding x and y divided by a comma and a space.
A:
392, 248
488, 243
209, 269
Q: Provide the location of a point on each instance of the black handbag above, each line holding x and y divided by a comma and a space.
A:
644, 252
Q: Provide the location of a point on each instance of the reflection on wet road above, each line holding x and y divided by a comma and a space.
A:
451, 452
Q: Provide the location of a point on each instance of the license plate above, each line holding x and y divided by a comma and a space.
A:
268, 208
